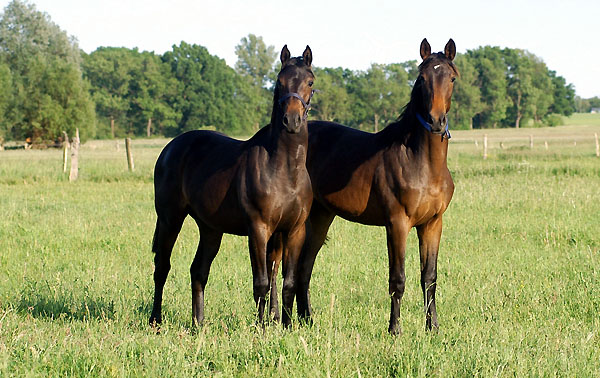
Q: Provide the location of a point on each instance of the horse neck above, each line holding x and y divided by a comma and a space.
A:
409, 135
286, 151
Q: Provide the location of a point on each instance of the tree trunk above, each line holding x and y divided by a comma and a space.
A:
376, 122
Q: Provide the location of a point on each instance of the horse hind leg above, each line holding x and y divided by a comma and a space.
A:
274, 255
209, 244
317, 226
165, 235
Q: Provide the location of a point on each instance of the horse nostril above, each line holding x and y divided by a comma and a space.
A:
443, 120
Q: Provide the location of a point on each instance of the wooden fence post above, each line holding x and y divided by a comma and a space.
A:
74, 173
149, 128
485, 146
531, 141
65, 151
112, 127
129, 155
546, 144
597, 145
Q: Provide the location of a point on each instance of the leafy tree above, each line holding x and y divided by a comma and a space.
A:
6, 101
49, 94
210, 94
108, 69
520, 87
381, 92
491, 81
594, 102
256, 67
332, 101
543, 94
564, 95
132, 88
256, 60
466, 99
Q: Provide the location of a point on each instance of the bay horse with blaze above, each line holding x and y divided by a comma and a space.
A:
254, 187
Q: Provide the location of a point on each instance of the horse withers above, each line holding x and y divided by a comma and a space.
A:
397, 178
254, 187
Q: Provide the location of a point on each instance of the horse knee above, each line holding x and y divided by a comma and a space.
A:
428, 280
397, 285
261, 287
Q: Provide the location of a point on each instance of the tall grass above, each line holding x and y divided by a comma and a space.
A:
518, 284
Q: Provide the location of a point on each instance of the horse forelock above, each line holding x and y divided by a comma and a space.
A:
437, 59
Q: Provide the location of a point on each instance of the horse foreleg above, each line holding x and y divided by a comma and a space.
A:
429, 242
258, 236
397, 232
274, 255
209, 244
165, 235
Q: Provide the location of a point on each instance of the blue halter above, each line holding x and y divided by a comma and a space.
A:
427, 126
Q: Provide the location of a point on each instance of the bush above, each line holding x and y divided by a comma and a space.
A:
553, 120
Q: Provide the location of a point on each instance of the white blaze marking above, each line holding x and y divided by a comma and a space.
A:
436, 66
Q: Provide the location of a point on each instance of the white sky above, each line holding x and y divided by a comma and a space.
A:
350, 34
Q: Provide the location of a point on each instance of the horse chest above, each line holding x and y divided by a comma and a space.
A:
426, 199
280, 199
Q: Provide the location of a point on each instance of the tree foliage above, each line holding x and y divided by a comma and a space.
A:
48, 85
131, 87
42, 66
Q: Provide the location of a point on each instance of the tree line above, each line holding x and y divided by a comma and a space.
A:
48, 85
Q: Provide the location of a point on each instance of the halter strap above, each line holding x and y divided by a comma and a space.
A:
306, 104
427, 126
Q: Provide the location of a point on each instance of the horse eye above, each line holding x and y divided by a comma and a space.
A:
310, 83
453, 79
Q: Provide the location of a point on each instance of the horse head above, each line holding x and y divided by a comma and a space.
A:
293, 91
434, 86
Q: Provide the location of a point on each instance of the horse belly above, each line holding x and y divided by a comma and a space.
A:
214, 202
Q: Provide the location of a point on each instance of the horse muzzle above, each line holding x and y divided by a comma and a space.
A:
292, 123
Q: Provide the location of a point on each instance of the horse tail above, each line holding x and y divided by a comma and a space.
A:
155, 236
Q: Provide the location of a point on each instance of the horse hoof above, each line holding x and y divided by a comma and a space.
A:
395, 330
155, 321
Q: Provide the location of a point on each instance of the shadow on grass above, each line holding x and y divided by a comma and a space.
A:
39, 306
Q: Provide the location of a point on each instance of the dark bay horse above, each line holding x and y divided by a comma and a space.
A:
254, 187
397, 178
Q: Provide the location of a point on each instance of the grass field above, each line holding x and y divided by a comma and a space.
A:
518, 285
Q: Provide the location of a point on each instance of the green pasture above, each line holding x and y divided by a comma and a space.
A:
518, 283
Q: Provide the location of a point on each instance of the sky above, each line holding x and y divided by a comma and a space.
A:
350, 34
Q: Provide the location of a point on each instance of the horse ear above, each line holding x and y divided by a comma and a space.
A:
307, 56
285, 55
425, 49
450, 49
